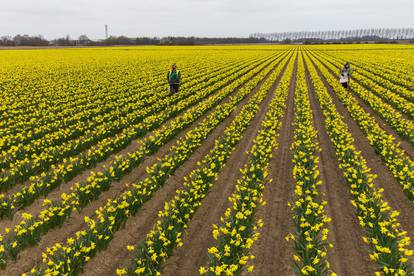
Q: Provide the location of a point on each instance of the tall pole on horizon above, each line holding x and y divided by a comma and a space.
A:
106, 30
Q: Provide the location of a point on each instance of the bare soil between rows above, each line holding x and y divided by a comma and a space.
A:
187, 259
27, 258
348, 255
273, 254
135, 231
393, 192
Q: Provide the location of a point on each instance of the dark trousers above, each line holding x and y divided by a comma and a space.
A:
174, 88
345, 84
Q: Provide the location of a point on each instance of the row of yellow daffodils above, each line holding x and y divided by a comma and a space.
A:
121, 104
45, 183
379, 87
168, 230
109, 112
48, 93
403, 126
386, 240
395, 158
388, 80
237, 231
385, 65
22, 169
311, 233
51, 103
116, 211
62, 139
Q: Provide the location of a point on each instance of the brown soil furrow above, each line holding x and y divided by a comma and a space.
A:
28, 258
377, 93
36, 206
137, 227
187, 259
393, 193
98, 167
406, 146
65, 187
272, 253
349, 255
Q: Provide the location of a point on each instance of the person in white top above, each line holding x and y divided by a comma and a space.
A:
345, 75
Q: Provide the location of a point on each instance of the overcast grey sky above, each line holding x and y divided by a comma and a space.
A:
56, 18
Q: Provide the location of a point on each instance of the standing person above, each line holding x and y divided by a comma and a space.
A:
174, 78
345, 75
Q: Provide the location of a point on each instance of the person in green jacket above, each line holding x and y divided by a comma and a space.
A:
174, 79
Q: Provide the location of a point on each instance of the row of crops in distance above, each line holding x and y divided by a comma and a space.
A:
262, 163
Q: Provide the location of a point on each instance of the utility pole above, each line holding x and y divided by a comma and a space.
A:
106, 31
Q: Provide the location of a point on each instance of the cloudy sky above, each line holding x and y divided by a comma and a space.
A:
57, 18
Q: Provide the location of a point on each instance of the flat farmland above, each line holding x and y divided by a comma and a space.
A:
261, 164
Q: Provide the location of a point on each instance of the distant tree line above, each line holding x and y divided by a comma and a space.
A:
23, 40
359, 40
171, 40
303, 38
378, 35
83, 40
123, 40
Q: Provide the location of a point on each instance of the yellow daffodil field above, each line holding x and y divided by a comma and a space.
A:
262, 163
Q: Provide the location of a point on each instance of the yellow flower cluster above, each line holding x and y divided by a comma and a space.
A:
53, 136
117, 211
82, 86
145, 116
311, 233
167, 232
381, 88
395, 158
83, 193
402, 87
386, 240
388, 73
238, 230
403, 126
